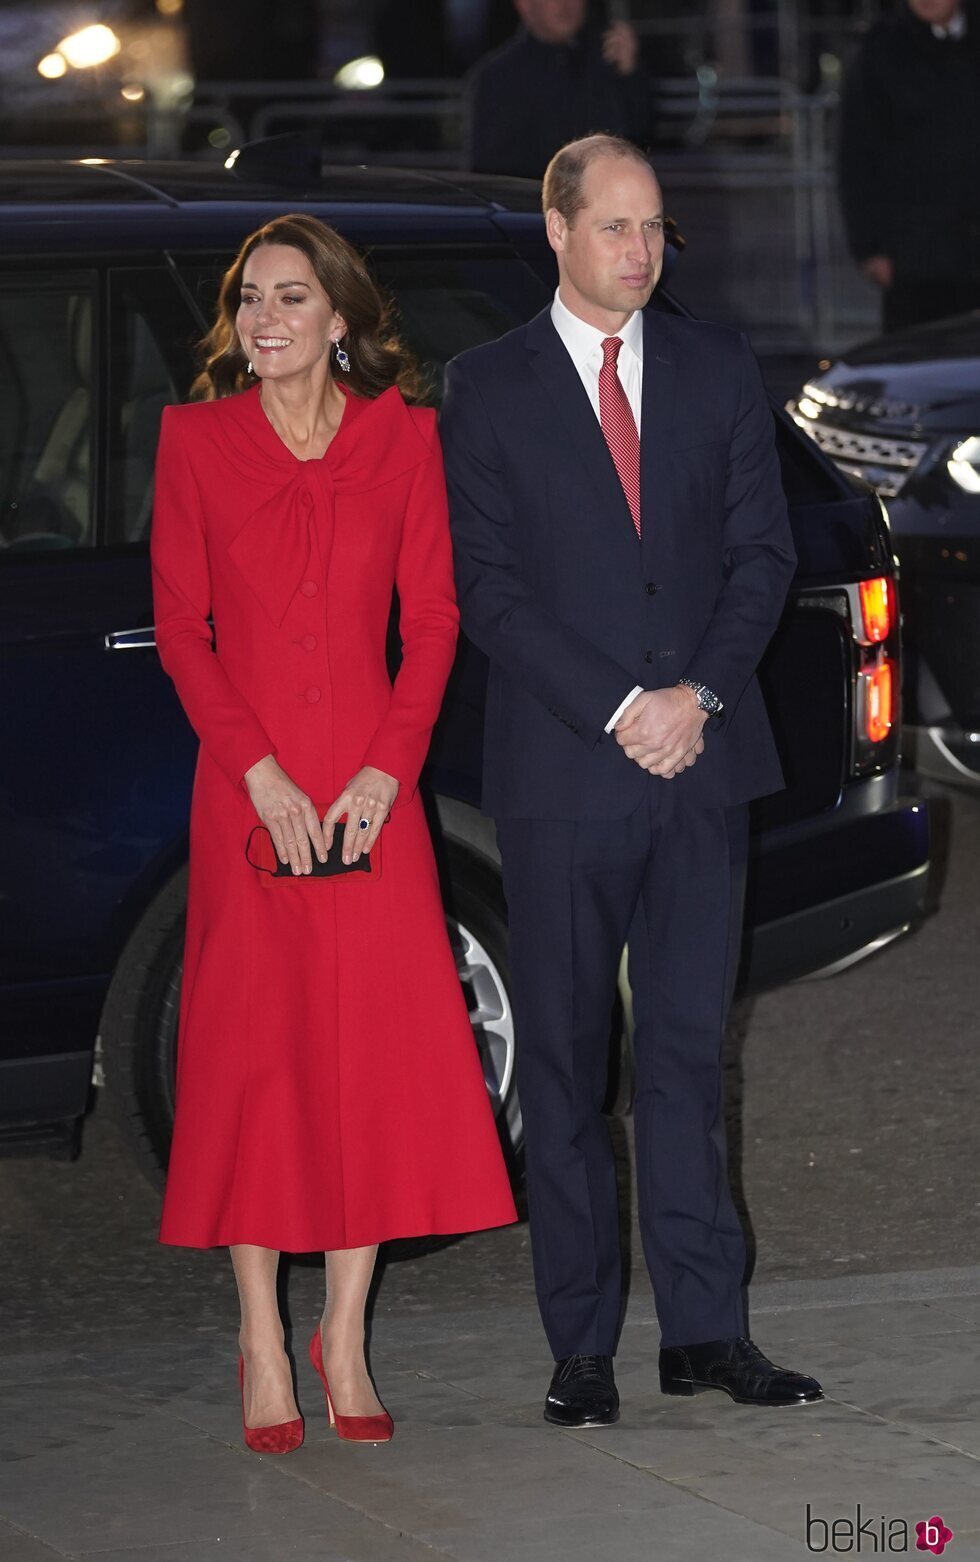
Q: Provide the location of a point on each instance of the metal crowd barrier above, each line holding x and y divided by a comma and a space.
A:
746, 163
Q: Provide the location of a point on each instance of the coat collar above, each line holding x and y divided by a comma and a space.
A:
377, 441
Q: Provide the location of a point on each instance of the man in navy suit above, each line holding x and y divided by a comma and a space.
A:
623, 554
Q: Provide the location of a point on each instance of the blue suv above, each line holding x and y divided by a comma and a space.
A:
108, 276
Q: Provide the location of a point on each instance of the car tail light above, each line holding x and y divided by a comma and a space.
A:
877, 608
878, 688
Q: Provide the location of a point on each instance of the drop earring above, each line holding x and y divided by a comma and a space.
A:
343, 358
248, 367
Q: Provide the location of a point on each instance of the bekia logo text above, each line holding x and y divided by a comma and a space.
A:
875, 1535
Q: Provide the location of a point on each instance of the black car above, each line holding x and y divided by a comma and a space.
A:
108, 275
903, 413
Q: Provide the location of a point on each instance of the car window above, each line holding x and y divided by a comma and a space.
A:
151, 335
447, 303
47, 329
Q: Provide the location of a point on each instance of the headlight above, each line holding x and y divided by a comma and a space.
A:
963, 465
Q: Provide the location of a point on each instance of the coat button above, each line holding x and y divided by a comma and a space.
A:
648, 656
309, 588
313, 694
652, 588
308, 642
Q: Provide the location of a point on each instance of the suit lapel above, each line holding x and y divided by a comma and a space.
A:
568, 397
656, 429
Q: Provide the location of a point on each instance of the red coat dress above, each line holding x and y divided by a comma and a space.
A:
329, 1090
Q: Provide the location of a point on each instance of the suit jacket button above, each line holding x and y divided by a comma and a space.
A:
308, 642
652, 588
313, 694
309, 588
648, 656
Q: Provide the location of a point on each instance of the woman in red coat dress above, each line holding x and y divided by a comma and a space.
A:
329, 1092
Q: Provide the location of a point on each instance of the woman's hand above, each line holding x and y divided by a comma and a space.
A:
368, 795
287, 813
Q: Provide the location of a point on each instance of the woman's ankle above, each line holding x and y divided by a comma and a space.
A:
261, 1342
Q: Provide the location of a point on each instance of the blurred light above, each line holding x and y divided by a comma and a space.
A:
52, 66
219, 138
876, 608
232, 158
93, 162
133, 92
824, 363
170, 7
817, 393
361, 74
92, 46
808, 408
879, 690
964, 465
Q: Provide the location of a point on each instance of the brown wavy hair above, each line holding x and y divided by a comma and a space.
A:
378, 357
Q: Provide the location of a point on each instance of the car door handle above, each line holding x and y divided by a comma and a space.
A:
131, 639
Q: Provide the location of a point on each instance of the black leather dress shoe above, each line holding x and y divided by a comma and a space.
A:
583, 1392
738, 1368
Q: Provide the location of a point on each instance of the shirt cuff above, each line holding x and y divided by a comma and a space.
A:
620, 708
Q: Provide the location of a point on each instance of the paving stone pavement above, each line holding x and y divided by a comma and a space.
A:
134, 1454
854, 1153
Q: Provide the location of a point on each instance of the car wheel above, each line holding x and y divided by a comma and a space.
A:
138, 1031
477, 921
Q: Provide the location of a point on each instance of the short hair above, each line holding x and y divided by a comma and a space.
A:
565, 174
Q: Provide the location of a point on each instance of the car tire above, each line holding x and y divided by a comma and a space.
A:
138, 1030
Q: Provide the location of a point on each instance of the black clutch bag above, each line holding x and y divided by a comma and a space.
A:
264, 858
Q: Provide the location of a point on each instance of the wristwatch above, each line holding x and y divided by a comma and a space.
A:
708, 701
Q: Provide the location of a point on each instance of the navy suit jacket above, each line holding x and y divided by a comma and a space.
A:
570, 607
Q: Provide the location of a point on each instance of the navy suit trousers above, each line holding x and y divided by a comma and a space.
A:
668, 880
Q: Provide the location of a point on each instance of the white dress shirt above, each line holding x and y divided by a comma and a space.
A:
583, 343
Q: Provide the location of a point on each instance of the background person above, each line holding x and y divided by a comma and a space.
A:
559, 76
329, 1092
909, 163
622, 557
438, 37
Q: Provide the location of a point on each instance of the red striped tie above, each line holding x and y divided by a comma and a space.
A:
619, 426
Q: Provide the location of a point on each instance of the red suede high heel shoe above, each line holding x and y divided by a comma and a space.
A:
355, 1429
281, 1439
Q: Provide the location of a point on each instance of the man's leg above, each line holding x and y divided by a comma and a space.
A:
571, 890
684, 949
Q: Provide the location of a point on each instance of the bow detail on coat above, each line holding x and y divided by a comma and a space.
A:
274, 546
